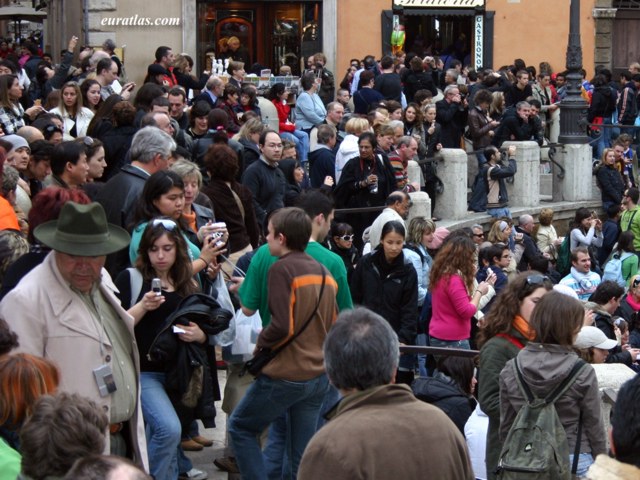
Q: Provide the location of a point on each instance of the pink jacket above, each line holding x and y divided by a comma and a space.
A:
452, 310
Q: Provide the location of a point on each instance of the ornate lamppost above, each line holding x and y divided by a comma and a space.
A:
573, 108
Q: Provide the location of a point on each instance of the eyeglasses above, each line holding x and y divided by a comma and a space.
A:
166, 223
537, 279
347, 238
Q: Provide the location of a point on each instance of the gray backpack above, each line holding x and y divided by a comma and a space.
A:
536, 445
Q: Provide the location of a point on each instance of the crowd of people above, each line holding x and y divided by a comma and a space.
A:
139, 226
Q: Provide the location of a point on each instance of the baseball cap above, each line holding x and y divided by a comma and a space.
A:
594, 337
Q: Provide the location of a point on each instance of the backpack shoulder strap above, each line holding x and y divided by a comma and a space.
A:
567, 382
135, 278
521, 383
511, 339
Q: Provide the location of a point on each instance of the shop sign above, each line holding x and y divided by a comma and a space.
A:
438, 3
478, 28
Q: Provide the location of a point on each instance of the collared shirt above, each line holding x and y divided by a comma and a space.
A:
120, 358
214, 99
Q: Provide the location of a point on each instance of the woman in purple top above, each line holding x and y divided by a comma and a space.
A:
454, 298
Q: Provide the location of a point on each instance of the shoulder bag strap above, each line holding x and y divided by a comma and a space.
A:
511, 339
576, 450
567, 382
523, 385
135, 279
238, 202
306, 324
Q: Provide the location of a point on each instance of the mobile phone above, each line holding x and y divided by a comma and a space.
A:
156, 286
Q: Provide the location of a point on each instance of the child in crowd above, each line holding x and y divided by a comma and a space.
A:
630, 159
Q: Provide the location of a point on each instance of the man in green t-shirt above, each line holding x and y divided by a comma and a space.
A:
630, 219
253, 290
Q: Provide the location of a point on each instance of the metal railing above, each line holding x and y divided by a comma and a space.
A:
440, 351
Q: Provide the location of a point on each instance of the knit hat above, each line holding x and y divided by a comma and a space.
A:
16, 142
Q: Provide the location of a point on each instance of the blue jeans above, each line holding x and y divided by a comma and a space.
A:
330, 399
162, 427
499, 212
584, 462
295, 405
301, 139
421, 340
435, 342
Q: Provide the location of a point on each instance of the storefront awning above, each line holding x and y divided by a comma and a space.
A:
438, 3
440, 12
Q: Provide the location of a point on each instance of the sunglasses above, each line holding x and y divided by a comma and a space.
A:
51, 128
537, 279
479, 235
88, 141
346, 238
636, 282
166, 223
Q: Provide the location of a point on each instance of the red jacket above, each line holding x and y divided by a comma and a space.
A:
283, 116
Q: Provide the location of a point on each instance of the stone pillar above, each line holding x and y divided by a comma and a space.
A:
525, 189
603, 16
414, 172
577, 182
421, 206
269, 113
610, 375
452, 170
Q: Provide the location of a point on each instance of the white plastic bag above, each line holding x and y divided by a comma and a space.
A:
247, 331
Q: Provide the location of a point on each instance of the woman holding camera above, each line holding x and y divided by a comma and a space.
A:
163, 196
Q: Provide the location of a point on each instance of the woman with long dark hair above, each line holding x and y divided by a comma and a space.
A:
505, 331
11, 111
387, 284
91, 97
586, 231
162, 254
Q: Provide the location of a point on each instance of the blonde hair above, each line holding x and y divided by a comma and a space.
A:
357, 126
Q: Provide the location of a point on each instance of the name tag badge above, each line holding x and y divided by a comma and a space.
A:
104, 378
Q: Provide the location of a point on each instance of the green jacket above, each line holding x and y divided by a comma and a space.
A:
494, 355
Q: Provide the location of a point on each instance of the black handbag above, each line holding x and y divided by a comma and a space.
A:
263, 356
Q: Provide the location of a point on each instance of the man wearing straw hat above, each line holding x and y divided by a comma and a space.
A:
66, 311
